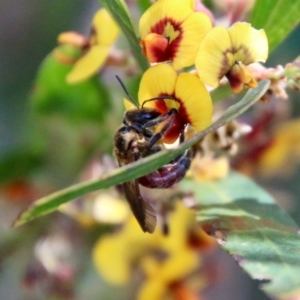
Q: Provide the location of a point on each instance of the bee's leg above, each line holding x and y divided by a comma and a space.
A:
167, 117
160, 118
156, 149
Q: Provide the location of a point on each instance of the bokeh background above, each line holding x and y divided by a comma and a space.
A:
28, 32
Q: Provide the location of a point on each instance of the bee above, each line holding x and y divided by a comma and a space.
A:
169, 174
134, 140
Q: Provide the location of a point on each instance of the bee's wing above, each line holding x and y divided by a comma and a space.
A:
143, 211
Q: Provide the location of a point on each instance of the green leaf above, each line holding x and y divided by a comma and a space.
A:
137, 169
249, 225
277, 18
52, 95
119, 11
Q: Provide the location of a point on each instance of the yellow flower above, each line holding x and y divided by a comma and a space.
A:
283, 153
227, 52
171, 30
114, 255
191, 99
165, 260
208, 168
96, 49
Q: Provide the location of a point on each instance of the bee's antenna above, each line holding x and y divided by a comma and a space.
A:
134, 102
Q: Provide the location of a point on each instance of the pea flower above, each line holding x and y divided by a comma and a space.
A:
171, 30
95, 49
227, 52
282, 154
191, 99
166, 261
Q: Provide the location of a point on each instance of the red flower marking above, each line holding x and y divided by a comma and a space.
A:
168, 53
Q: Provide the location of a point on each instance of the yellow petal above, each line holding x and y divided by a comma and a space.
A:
152, 289
128, 104
156, 17
179, 265
181, 220
111, 261
88, 64
274, 159
283, 153
194, 29
222, 48
157, 80
114, 255
196, 101
104, 29
191, 3
208, 169
251, 44
214, 58
137, 241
